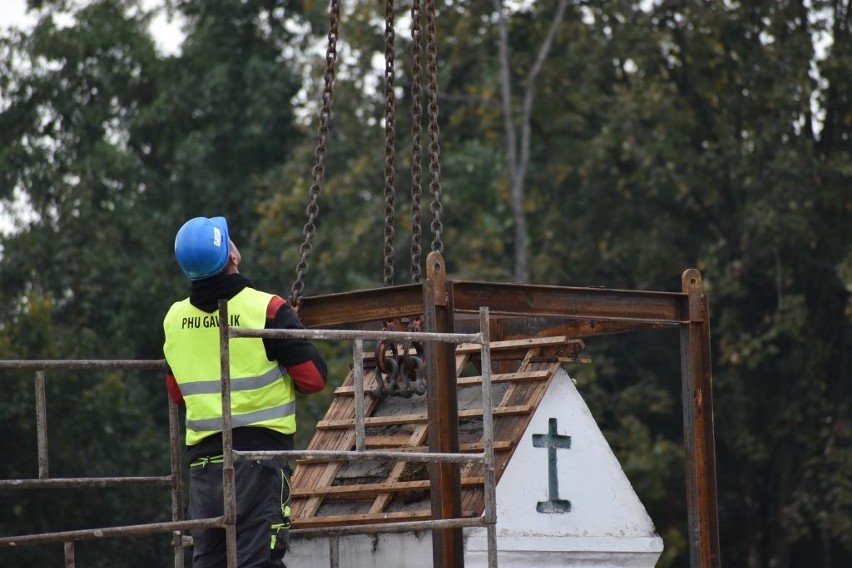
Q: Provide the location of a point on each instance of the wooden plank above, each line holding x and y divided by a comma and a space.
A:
382, 501
417, 438
313, 475
534, 368
473, 380
505, 378
324, 473
518, 344
397, 443
471, 447
371, 490
417, 418
386, 442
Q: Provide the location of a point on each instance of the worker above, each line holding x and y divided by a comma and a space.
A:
265, 375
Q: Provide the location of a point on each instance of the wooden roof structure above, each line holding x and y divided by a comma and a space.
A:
328, 494
526, 326
517, 312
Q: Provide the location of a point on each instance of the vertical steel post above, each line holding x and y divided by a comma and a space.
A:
228, 484
41, 425
70, 560
177, 486
490, 485
358, 372
442, 404
698, 429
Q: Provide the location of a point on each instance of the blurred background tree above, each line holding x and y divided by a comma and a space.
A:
664, 135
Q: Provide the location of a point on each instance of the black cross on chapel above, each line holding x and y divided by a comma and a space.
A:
552, 441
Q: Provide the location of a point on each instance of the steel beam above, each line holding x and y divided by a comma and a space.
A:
639, 307
698, 429
564, 301
442, 405
379, 304
523, 310
514, 327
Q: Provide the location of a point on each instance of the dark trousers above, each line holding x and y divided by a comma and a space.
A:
263, 513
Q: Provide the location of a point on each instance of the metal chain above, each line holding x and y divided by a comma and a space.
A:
434, 145
390, 140
318, 170
416, 135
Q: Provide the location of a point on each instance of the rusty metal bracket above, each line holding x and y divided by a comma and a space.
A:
693, 286
436, 271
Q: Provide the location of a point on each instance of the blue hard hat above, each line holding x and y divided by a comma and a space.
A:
202, 247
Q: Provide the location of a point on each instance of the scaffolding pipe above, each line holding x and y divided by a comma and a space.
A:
41, 424
366, 455
44, 481
392, 527
228, 480
327, 334
178, 526
83, 364
93, 534
358, 371
361, 454
176, 482
489, 487
69, 553
86, 482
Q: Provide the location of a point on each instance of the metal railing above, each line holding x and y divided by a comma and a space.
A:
486, 457
228, 521
177, 526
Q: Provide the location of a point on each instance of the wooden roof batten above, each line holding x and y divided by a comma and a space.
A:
524, 311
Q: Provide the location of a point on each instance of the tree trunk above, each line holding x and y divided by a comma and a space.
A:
518, 164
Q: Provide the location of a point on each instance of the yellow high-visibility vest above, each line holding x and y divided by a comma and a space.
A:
262, 393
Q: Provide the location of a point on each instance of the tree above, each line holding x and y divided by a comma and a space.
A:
519, 158
662, 136
113, 147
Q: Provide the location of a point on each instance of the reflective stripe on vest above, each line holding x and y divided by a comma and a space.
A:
262, 393
213, 386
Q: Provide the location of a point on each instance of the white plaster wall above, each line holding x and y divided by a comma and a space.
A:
607, 526
415, 551
603, 502
579, 559
389, 550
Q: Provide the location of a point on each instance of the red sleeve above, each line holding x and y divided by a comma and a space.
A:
274, 305
173, 389
306, 377
300, 357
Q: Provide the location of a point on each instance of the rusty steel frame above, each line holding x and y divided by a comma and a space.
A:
524, 310
519, 310
443, 457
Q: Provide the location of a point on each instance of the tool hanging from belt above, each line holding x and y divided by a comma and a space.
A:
207, 460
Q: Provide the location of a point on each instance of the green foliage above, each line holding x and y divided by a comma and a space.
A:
665, 135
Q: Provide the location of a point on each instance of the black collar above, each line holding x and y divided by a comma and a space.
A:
205, 294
